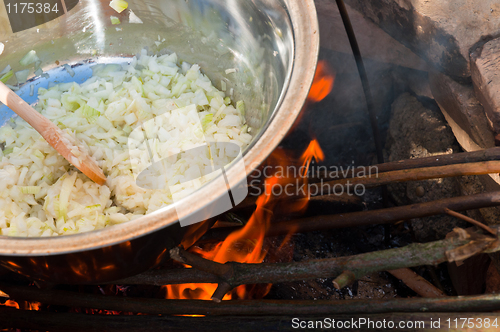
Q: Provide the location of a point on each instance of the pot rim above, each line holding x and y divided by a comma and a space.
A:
305, 29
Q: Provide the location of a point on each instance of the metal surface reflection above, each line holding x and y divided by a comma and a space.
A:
272, 44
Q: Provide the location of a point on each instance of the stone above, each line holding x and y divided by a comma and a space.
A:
485, 66
416, 132
442, 32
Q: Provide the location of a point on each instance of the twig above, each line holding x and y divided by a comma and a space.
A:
344, 280
418, 284
205, 265
360, 265
250, 307
170, 276
440, 160
373, 217
385, 216
63, 322
472, 221
416, 174
223, 271
222, 289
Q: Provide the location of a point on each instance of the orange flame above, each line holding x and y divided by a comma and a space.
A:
246, 245
26, 305
313, 151
12, 304
324, 79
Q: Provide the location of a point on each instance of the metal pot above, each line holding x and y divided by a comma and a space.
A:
273, 43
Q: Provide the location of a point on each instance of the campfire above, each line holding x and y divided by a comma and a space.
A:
328, 230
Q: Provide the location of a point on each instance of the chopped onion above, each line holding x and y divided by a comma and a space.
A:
5, 77
29, 58
114, 20
118, 5
22, 76
6, 70
179, 108
70, 71
230, 71
30, 189
2, 47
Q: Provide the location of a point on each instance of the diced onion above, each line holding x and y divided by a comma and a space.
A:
70, 71
22, 76
122, 115
118, 5
29, 58
114, 20
5, 77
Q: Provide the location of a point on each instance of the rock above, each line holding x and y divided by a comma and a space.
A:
463, 111
442, 32
416, 132
485, 68
374, 43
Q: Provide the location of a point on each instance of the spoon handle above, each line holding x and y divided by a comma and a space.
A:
25, 111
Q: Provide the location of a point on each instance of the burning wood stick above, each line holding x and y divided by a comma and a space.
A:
360, 265
248, 307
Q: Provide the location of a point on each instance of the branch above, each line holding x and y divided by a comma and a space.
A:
360, 265
472, 221
418, 284
434, 161
202, 264
416, 174
63, 322
385, 216
249, 307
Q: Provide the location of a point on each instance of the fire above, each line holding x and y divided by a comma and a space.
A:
246, 245
25, 306
12, 304
313, 151
324, 79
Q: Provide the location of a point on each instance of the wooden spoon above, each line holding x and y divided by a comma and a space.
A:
53, 135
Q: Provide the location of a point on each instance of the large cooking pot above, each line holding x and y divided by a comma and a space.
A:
273, 44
